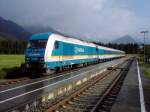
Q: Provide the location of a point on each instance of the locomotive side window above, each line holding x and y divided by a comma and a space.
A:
56, 45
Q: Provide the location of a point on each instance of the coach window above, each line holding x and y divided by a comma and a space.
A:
56, 45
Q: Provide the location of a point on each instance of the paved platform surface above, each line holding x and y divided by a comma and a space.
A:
146, 88
128, 99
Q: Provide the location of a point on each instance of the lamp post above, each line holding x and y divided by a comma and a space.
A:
144, 34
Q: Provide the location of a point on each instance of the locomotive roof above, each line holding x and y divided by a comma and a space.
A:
107, 48
81, 42
41, 36
73, 40
69, 39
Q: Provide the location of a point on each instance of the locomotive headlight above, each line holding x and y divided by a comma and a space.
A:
42, 59
27, 58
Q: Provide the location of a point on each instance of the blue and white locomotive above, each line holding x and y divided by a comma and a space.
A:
50, 51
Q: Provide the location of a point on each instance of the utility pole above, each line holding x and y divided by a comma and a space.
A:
144, 34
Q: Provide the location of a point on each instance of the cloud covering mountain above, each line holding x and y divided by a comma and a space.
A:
9, 30
101, 20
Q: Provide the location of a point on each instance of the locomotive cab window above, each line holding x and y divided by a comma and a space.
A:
56, 45
37, 44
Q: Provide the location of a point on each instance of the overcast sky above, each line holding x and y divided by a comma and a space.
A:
95, 19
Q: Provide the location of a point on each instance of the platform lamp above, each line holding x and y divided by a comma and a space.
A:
144, 34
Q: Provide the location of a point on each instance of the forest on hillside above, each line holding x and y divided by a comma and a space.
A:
12, 47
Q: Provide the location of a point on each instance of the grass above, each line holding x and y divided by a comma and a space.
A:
146, 69
8, 62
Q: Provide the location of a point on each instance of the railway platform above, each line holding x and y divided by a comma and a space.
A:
146, 89
133, 97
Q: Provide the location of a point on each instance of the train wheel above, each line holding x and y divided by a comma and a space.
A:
23, 68
49, 72
58, 69
85, 64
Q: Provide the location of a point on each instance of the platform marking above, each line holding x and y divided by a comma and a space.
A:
41, 81
141, 90
3, 101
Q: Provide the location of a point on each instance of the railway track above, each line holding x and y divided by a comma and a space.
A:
8, 82
45, 92
33, 76
12, 81
97, 94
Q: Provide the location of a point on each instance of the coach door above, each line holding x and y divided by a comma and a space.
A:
97, 52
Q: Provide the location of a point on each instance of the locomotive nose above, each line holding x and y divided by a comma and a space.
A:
35, 50
35, 55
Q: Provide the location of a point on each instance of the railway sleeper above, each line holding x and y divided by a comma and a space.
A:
70, 109
82, 100
89, 97
99, 86
85, 101
78, 106
95, 88
87, 104
108, 102
93, 94
84, 107
105, 108
97, 92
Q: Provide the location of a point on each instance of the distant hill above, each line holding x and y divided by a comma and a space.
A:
9, 30
124, 40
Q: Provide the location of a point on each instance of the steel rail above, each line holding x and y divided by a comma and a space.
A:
84, 87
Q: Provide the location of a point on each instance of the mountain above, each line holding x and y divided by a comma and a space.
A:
9, 30
40, 29
124, 40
